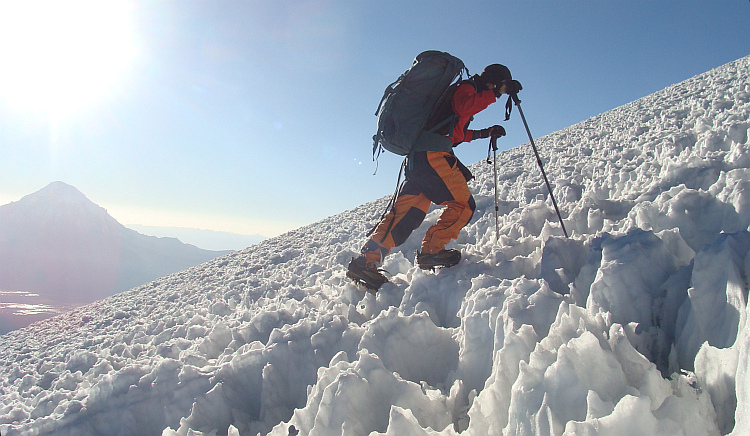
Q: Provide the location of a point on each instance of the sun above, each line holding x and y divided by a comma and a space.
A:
61, 56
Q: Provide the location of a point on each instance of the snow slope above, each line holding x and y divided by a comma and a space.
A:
634, 325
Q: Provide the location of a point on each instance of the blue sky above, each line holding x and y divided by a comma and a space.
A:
256, 117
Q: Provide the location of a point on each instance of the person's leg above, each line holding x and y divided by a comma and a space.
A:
455, 216
405, 216
447, 179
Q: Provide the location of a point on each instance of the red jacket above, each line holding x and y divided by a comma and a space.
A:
467, 103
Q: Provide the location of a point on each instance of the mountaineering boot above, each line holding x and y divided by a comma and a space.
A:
366, 275
441, 259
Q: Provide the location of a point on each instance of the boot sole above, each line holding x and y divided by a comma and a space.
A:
359, 281
434, 267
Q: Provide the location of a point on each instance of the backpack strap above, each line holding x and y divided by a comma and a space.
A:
392, 201
444, 110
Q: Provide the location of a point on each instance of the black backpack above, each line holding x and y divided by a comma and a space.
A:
412, 100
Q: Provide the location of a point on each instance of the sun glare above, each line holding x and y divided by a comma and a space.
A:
61, 56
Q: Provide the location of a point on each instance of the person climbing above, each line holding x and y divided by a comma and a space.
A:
435, 176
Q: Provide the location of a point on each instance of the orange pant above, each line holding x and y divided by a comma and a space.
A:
431, 177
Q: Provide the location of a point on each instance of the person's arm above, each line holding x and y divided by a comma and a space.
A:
466, 103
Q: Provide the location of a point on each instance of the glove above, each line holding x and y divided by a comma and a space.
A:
495, 131
512, 87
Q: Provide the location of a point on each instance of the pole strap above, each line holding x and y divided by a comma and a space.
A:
491, 148
509, 106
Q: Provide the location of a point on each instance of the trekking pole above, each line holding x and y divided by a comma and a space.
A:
493, 146
517, 101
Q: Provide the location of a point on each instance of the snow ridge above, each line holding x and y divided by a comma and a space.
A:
634, 325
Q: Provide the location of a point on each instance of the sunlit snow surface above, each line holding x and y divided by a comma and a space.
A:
634, 325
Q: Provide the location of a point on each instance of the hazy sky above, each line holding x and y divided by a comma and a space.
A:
257, 116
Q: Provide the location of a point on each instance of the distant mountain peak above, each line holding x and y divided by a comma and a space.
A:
61, 192
56, 203
60, 185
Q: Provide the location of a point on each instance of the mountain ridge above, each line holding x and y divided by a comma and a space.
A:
60, 245
206, 239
